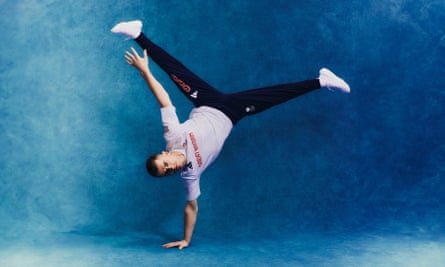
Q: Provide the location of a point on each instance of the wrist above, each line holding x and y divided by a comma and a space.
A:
144, 72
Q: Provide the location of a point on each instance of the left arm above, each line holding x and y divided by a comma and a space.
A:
190, 215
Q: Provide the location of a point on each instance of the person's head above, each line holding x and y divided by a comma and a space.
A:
165, 163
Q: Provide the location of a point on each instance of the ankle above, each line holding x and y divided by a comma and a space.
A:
322, 82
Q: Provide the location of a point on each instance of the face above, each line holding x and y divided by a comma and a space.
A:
169, 163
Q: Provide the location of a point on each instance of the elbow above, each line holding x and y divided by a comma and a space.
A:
165, 103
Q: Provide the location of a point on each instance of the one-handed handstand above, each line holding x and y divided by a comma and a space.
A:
194, 144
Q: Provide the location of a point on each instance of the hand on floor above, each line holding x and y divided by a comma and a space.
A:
180, 244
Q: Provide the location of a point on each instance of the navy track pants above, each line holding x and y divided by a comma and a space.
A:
235, 105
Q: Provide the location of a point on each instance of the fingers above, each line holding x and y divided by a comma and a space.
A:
135, 53
133, 56
129, 58
172, 244
179, 244
168, 246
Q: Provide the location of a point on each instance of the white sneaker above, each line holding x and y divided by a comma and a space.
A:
131, 29
329, 80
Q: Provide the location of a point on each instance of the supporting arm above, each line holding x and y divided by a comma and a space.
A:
190, 215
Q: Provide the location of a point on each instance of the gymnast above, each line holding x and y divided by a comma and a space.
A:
193, 145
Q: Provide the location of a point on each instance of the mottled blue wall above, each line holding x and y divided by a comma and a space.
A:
76, 123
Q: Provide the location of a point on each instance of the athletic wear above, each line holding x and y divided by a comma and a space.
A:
236, 105
202, 136
200, 139
329, 80
131, 29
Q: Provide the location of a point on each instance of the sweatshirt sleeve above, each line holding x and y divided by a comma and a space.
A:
172, 131
169, 118
191, 186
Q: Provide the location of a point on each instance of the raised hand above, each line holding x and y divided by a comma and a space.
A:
133, 59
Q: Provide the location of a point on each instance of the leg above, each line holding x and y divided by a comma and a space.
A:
257, 100
193, 87
250, 102
235, 106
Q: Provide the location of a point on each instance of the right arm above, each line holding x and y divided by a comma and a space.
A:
190, 215
141, 63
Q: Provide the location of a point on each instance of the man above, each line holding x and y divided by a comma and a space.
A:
193, 145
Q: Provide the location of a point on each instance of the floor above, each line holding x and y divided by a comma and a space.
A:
310, 249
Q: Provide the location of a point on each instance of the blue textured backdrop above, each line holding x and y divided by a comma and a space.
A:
76, 123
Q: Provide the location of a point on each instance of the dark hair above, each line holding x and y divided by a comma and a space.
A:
152, 169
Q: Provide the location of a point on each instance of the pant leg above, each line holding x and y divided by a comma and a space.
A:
193, 87
236, 106
255, 101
